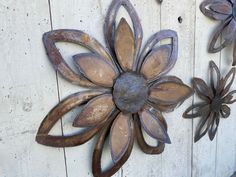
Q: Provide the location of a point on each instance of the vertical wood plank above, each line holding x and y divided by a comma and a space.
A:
226, 141
180, 16
28, 88
204, 151
139, 163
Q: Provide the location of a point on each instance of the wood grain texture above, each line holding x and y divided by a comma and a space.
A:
30, 87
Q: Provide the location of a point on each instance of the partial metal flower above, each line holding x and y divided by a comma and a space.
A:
129, 88
216, 99
224, 11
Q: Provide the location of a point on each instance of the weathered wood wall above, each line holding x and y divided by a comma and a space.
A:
29, 88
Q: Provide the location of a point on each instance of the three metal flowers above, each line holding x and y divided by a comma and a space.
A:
129, 90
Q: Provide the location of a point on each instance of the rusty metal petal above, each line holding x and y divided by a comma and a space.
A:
145, 147
197, 110
214, 126
96, 69
225, 111
97, 154
228, 81
206, 8
201, 88
60, 110
124, 45
219, 31
72, 36
203, 126
222, 7
120, 136
110, 25
230, 98
156, 62
96, 111
156, 38
214, 76
153, 126
169, 93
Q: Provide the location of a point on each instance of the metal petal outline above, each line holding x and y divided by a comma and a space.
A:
203, 91
156, 38
110, 26
228, 81
196, 110
222, 7
57, 112
214, 126
214, 70
72, 36
97, 154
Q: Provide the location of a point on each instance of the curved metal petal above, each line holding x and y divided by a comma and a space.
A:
222, 7
156, 38
213, 127
57, 112
156, 62
96, 69
145, 147
197, 110
216, 36
110, 25
120, 136
169, 79
214, 77
72, 36
228, 81
207, 8
96, 111
203, 91
125, 45
169, 93
225, 111
203, 126
97, 154
230, 30
153, 126
230, 98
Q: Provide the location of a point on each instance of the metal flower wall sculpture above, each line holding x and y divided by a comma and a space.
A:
129, 89
215, 98
224, 11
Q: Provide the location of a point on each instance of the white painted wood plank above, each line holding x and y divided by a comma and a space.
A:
176, 158
28, 91
204, 151
226, 139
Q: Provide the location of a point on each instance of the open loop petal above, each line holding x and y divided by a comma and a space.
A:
219, 31
96, 111
214, 76
225, 111
230, 98
72, 36
173, 54
96, 69
197, 110
97, 154
153, 126
156, 62
120, 136
203, 91
214, 126
169, 93
124, 45
145, 147
110, 26
228, 81
57, 112
229, 32
203, 126
211, 9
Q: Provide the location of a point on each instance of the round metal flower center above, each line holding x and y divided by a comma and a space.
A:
130, 92
234, 11
216, 104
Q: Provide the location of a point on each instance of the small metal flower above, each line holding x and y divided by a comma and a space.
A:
215, 98
224, 11
129, 88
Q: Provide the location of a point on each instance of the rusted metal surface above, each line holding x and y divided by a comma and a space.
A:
225, 12
216, 99
133, 89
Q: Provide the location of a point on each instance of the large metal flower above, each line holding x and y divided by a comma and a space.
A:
224, 11
129, 89
215, 100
